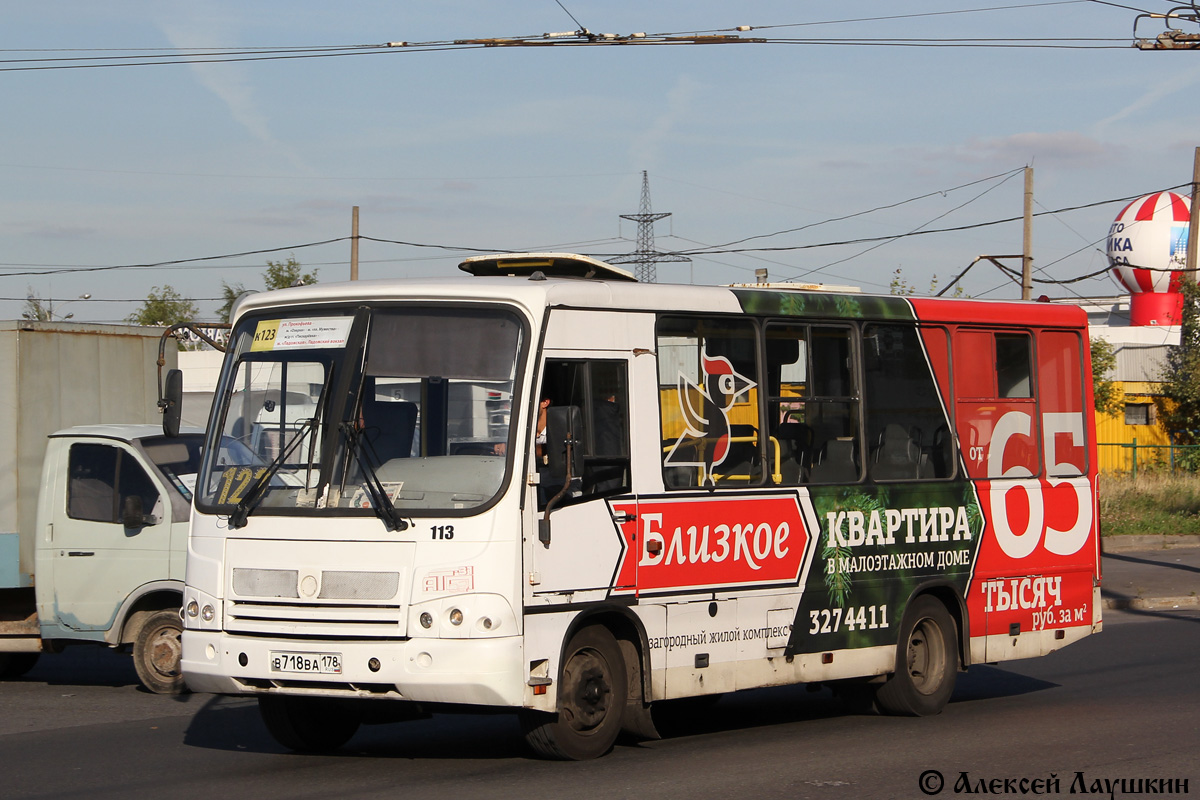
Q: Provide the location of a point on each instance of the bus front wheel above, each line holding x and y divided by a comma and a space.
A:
591, 698
926, 662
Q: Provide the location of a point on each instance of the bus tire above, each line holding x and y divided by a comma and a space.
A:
157, 652
308, 724
14, 665
926, 662
591, 699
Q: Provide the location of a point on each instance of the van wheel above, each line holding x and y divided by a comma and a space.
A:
14, 665
591, 699
308, 724
926, 662
157, 652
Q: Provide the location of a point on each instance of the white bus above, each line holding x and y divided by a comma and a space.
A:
677, 491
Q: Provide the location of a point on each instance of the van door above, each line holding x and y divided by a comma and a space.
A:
97, 557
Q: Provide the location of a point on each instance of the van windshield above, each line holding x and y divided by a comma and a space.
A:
340, 410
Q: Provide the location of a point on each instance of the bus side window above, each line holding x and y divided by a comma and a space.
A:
788, 387
708, 402
1061, 398
907, 429
994, 403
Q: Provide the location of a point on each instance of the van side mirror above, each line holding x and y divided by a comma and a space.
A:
172, 402
132, 513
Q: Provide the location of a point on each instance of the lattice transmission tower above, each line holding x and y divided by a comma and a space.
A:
646, 257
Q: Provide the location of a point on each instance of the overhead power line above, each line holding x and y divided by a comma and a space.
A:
636, 40
174, 262
97, 58
695, 252
867, 240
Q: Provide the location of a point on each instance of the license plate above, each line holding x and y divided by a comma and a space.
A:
307, 663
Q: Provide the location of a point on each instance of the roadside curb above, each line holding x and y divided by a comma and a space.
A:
1125, 544
1151, 603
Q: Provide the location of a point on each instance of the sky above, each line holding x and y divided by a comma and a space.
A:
823, 155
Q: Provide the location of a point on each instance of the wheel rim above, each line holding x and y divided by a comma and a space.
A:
927, 657
589, 691
165, 651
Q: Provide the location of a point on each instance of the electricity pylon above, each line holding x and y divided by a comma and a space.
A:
646, 257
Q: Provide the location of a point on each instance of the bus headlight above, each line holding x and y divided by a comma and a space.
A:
471, 616
200, 611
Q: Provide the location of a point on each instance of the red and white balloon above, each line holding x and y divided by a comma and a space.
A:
1147, 249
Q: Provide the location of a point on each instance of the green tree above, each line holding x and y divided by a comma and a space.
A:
229, 294
900, 286
163, 307
1180, 388
282, 274
278, 275
1108, 398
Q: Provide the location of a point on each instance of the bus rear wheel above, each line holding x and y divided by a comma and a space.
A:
591, 698
308, 724
926, 662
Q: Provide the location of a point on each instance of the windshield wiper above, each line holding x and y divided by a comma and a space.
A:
257, 489
384, 508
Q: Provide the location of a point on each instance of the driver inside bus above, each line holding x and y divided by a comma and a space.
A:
500, 448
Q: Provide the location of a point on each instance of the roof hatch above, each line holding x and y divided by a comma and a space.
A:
552, 265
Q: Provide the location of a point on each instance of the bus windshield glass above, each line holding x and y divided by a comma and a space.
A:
349, 410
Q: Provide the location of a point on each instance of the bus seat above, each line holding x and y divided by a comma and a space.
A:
836, 463
389, 426
941, 456
742, 463
897, 456
796, 441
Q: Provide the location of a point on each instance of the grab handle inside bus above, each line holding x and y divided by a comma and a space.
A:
563, 425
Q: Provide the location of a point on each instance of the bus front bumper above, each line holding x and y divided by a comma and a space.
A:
469, 671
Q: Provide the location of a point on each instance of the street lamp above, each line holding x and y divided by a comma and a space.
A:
46, 313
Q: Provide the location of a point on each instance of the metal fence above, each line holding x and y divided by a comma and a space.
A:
1129, 457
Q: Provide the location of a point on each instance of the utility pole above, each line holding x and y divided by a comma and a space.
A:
1194, 223
1027, 248
354, 244
646, 258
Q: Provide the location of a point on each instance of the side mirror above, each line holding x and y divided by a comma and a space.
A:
172, 402
132, 513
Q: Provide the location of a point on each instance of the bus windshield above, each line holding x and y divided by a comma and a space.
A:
352, 409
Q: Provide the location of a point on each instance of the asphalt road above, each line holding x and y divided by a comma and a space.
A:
1121, 705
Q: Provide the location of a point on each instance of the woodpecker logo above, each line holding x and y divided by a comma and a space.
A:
705, 442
